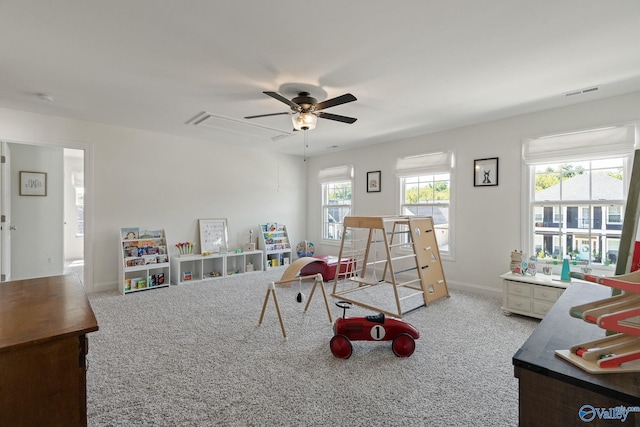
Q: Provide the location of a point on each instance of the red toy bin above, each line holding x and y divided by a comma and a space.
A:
328, 267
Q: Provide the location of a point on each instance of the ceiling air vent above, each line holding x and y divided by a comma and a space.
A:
215, 121
582, 91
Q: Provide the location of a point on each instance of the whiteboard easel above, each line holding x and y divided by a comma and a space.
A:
213, 235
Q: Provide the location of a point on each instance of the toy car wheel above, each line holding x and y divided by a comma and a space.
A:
403, 345
341, 346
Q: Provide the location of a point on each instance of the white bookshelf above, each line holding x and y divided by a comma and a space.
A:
144, 259
275, 241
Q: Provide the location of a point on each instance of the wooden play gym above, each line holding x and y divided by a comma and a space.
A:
397, 253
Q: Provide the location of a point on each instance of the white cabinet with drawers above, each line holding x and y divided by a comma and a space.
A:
530, 295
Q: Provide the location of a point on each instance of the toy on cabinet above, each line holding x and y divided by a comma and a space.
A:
371, 328
516, 261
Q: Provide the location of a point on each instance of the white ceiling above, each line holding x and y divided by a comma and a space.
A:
416, 66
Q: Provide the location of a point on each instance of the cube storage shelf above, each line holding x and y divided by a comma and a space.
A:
144, 259
196, 268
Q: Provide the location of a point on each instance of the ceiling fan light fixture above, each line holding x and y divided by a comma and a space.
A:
304, 121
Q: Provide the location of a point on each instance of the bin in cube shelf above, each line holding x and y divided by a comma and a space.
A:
328, 267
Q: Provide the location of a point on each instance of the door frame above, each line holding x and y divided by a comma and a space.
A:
88, 149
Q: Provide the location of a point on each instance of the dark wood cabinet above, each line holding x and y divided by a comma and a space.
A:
553, 391
43, 344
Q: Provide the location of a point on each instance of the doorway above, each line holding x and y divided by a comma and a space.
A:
74, 212
43, 234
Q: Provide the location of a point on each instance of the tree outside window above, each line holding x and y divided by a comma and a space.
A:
429, 195
336, 205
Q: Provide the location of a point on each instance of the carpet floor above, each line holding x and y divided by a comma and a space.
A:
194, 355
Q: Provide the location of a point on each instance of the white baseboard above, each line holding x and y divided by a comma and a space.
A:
105, 287
475, 289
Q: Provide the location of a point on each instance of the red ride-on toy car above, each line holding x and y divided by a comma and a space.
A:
371, 328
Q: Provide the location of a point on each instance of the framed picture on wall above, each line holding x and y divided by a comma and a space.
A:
33, 183
373, 182
213, 235
485, 172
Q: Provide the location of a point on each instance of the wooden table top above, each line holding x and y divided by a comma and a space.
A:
37, 310
559, 331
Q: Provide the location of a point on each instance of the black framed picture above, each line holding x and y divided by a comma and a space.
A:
373, 182
485, 172
33, 183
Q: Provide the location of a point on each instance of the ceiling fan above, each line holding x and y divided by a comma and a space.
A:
305, 109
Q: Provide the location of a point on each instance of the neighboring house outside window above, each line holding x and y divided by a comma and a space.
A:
337, 185
577, 190
426, 190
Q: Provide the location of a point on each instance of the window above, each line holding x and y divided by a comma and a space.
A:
79, 211
336, 200
577, 190
425, 190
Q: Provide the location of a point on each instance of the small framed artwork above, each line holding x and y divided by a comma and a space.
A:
485, 172
33, 183
373, 182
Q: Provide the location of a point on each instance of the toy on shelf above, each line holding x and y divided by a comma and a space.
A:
305, 248
371, 328
620, 313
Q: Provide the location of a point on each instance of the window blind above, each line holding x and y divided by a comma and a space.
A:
334, 174
614, 141
424, 164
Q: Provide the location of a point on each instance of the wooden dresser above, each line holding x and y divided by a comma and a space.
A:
555, 392
43, 344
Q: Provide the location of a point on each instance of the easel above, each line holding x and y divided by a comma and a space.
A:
291, 275
619, 313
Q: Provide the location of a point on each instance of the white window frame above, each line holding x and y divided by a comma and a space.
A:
616, 141
430, 164
338, 175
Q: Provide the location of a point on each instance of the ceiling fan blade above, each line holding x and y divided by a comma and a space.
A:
337, 118
343, 99
281, 98
266, 115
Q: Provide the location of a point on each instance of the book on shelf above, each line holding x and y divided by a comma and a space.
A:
156, 279
151, 234
150, 259
130, 250
129, 233
134, 262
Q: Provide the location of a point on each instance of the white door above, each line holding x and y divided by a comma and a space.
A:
5, 212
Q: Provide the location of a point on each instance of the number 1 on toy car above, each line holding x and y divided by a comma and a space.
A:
377, 332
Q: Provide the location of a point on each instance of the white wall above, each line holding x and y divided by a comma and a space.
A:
138, 178
487, 219
149, 179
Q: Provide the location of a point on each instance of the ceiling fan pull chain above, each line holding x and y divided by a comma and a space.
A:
306, 143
